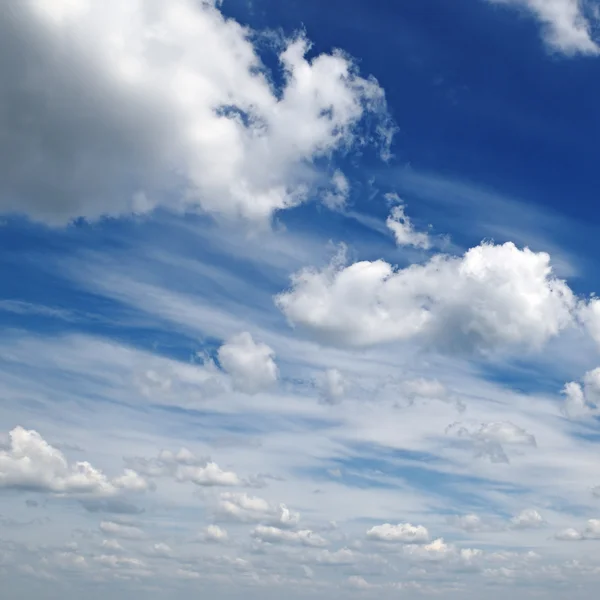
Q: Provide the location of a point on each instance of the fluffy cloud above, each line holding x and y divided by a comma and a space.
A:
214, 533
29, 462
469, 522
403, 532
184, 467
582, 400
566, 25
274, 535
527, 519
493, 297
251, 365
242, 507
404, 232
125, 102
590, 532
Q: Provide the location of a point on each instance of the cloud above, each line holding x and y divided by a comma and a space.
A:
527, 519
343, 556
582, 400
251, 365
30, 463
494, 297
404, 232
470, 522
184, 467
403, 532
214, 533
566, 26
274, 535
490, 439
333, 386
591, 532
118, 530
126, 102
245, 508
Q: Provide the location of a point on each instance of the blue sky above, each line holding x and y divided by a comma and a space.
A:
299, 298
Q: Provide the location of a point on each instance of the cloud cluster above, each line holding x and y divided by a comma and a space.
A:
124, 101
590, 532
582, 399
30, 463
493, 297
184, 467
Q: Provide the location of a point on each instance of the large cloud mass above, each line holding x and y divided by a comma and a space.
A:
30, 463
105, 105
494, 296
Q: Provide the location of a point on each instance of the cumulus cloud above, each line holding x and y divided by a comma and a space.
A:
250, 364
246, 508
125, 101
491, 439
470, 522
184, 467
403, 532
214, 533
582, 399
29, 462
274, 535
403, 229
566, 24
590, 532
492, 298
527, 519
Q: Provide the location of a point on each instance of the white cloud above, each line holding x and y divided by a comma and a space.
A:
180, 97
582, 400
128, 532
403, 532
589, 316
333, 385
116, 562
336, 197
131, 481
112, 546
527, 519
274, 535
251, 365
214, 533
566, 26
591, 532
404, 232
436, 550
161, 550
29, 462
493, 297
469, 522
242, 507
184, 467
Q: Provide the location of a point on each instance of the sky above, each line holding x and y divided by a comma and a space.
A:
299, 299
